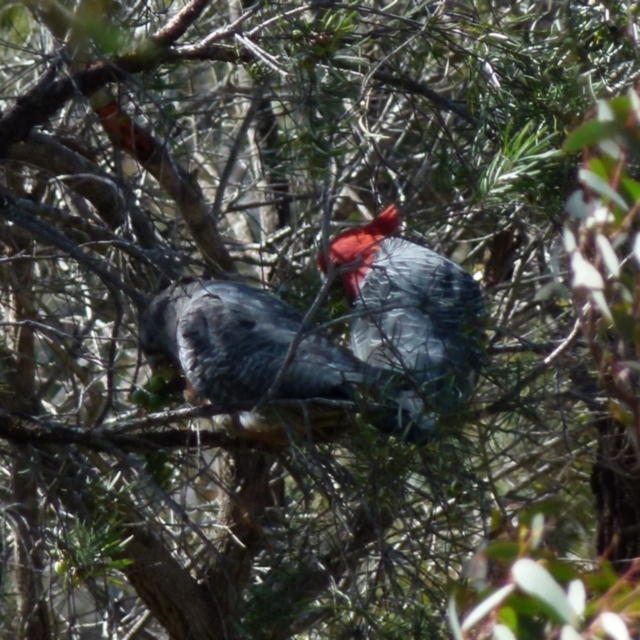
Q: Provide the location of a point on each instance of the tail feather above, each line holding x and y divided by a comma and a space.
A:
410, 422
402, 407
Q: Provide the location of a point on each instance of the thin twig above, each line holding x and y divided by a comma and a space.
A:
178, 25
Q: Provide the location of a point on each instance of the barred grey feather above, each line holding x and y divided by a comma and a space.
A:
232, 343
416, 313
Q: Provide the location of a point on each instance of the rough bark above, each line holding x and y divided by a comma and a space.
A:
615, 481
18, 375
245, 478
33, 623
173, 596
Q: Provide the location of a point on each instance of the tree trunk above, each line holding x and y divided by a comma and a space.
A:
616, 484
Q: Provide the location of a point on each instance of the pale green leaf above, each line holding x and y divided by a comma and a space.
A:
537, 529
605, 113
636, 248
576, 205
577, 596
569, 633
609, 256
602, 187
534, 579
585, 274
454, 621
570, 243
614, 626
601, 303
502, 632
486, 606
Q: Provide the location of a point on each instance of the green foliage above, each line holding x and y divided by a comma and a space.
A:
298, 111
91, 554
525, 157
162, 389
15, 23
602, 240
523, 590
160, 467
533, 594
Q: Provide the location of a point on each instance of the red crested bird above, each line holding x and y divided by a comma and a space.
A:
415, 312
239, 347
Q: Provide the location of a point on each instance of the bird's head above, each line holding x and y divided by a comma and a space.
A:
352, 252
157, 331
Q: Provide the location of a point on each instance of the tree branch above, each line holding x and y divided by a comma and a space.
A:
15, 211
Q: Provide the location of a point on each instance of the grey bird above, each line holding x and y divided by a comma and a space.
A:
415, 312
239, 346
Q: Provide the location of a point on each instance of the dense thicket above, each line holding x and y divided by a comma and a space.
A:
144, 142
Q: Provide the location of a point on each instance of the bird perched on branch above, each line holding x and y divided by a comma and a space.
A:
240, 347
415, 312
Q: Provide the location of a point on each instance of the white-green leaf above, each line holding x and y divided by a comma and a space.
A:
502, 632
636, 248
577, 596
605, 113
600, 215
570, 243
609, 256
614, 626
569, 633
585, 274
487, 606
535, 580
602, 304
634, 101
576, 205
537, 529
611, 148
454, 622
601, 186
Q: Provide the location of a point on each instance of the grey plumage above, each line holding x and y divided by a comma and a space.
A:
233, 342
420, 313
416, 314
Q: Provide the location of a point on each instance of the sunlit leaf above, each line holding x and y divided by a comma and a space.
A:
601, 302
500, 632
614, 626
605, 113
535, 580
570, 243
577, 596
486, 606
636, 248
587, 135
609, 256
454, 621
569, 633
585, 274
537, 530
634, 103
602, 187
611, 147
577, 205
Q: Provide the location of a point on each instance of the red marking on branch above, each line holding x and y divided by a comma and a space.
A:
126, 134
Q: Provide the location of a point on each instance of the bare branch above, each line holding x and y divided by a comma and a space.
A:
17, 213
178, 25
